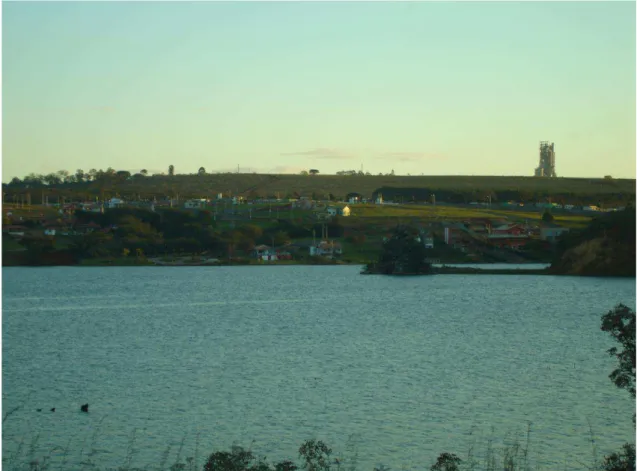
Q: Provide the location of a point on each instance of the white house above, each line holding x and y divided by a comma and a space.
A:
326, 249
114, 203
270, 254
16, 231
333, 211
550, 231
195, 204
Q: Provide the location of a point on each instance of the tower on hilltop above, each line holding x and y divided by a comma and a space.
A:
547, 160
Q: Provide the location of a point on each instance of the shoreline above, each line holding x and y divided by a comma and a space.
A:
438, 271
225, 263
444, 270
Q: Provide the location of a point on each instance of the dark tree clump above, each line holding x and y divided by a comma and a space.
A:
547, 216
446, 462
402, 254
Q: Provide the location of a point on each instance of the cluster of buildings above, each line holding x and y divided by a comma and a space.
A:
323, 248
38, 225
500, 234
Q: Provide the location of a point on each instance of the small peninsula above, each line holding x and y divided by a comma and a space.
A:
605, 248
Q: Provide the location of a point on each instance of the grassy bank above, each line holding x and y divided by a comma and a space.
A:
513, 452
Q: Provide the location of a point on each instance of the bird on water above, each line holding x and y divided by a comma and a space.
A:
84, 408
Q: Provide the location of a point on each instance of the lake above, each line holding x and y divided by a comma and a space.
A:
393, 370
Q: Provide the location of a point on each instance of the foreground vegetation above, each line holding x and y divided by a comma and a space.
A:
315, 455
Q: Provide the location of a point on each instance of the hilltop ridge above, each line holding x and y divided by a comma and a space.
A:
445, 188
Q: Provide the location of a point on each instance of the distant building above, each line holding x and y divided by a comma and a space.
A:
456, 235
550, 231
353, 198
114, 203
334, 211
303, 203
14, 230
513, 236
547, 160
326, 249
195, 204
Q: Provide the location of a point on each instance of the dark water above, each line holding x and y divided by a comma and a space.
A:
395, 370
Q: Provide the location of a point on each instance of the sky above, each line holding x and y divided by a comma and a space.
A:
433, 88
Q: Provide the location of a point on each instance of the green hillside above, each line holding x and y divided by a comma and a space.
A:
446, 188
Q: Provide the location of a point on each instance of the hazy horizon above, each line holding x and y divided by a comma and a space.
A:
439, 88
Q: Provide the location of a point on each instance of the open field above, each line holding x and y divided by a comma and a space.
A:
366, 185
369, 213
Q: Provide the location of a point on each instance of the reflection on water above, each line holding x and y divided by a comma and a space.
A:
399, 369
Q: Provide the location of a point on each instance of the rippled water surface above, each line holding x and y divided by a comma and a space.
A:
395, 370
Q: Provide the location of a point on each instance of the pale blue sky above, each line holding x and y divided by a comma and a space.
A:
434, 88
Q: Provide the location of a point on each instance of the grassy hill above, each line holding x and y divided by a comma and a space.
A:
187, 186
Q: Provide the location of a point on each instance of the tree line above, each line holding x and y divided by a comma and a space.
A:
63, 177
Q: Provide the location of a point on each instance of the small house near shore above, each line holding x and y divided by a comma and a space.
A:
550, 231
